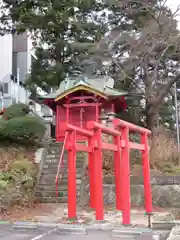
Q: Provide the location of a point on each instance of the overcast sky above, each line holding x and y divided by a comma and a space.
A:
174, 4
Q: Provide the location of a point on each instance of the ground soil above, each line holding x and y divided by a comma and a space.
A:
58, 213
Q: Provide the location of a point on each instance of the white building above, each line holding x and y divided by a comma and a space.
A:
16, 54
15, 63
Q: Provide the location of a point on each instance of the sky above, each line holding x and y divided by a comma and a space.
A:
174, 4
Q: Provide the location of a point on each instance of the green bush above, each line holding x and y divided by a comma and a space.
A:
24, 128
16, 110
3, 184
2, 129
24, 172
5, 176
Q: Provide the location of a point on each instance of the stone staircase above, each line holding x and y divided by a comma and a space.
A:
46, 189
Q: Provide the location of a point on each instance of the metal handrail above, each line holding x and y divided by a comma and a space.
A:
60, 163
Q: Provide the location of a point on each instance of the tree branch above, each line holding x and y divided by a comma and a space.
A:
163, 93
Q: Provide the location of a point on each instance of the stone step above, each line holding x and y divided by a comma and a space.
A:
53, 193
46, 188
56, 161
124, 237
65, 160
48, 157
61, 187
65, 165
62, 171
55, 167
61, 181
52, 176
54, 152
57, 154
52, 199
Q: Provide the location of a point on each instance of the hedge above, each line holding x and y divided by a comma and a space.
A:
22, 129
16, 110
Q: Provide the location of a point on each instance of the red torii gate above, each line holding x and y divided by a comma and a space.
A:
121, 146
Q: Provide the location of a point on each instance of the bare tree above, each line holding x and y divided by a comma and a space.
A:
147, 57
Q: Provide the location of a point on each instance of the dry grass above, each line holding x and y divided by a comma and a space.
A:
164, 155
10, 154
17, 176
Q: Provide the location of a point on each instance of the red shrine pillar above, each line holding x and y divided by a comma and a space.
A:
72, 176
146, 174
118, 173
125, 170
91, 170
98, 175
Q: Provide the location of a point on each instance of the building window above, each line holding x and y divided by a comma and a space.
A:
6, 88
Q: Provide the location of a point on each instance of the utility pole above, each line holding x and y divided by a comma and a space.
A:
177, 117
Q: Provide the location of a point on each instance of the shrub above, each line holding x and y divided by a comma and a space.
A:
2, 128
24, 128
3, 184
16, 110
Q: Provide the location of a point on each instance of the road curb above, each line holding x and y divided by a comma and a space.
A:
175, 233
164, 225
74, 229
24, 226
49, 226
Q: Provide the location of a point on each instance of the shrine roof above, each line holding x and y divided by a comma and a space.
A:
100, 86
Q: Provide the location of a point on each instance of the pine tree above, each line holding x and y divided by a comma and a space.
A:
69, 33
65, 33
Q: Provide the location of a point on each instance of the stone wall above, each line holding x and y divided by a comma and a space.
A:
165, 191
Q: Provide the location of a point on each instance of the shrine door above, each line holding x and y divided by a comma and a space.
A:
80, 116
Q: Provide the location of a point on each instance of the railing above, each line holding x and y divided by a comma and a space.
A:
60, 164
121, 147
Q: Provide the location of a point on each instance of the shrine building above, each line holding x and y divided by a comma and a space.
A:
80, 99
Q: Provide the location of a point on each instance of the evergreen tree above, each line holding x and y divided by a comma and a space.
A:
139, 39
67, 32
64, 34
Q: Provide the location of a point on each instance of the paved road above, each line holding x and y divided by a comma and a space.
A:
10, 233
16, 235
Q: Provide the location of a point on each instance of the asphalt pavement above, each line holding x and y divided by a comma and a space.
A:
56, 235
34, 231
